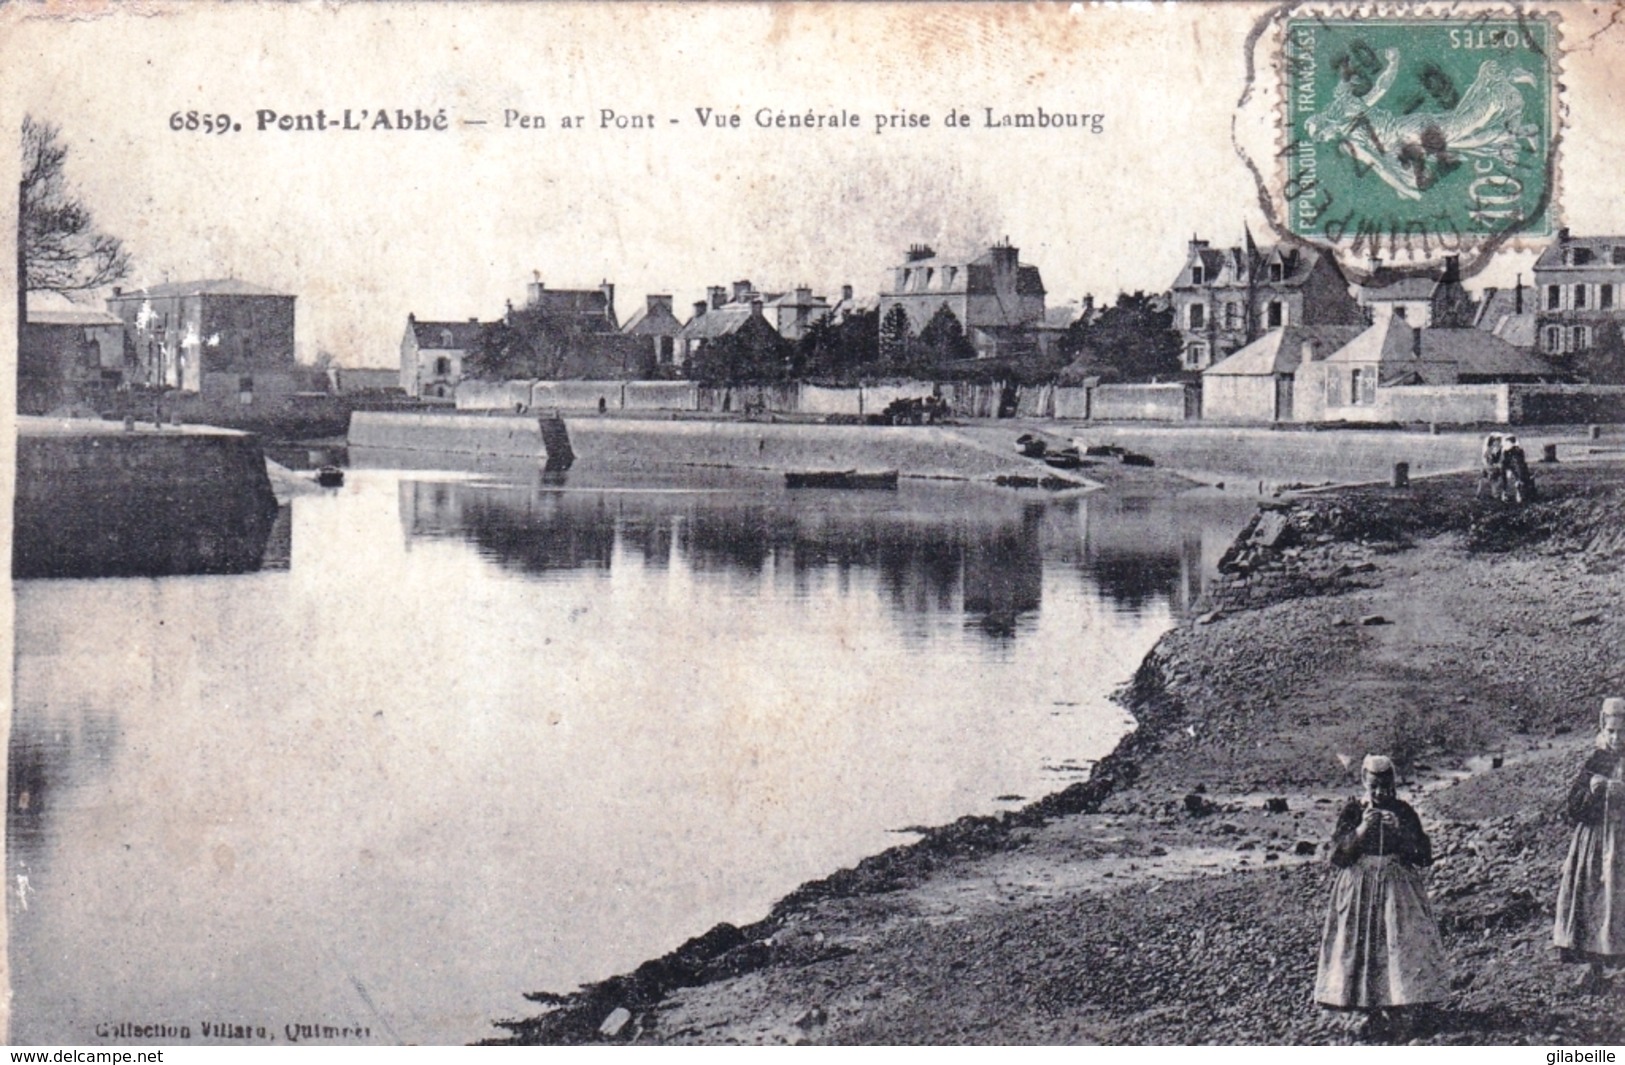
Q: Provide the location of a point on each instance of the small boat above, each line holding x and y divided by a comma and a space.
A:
1067, 458
1030, 446
330, 477
884, 479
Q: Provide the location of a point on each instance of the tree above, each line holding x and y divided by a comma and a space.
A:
524, 345
942, 340
1604, 362
59, 248
841, 350
895, 335
1135, 337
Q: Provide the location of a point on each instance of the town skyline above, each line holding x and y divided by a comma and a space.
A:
377, 224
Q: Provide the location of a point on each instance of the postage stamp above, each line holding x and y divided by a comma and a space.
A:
1420, 130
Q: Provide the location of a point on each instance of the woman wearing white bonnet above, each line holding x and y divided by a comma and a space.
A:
1380, 951
1590, 924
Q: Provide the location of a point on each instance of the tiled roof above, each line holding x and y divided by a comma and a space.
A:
1601, 249
661, 323
1281, 350
225, 286
49, 308
445, 336
1404, 288
1454, 353
728, 318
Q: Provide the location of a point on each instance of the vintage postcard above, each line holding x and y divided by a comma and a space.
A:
815, 523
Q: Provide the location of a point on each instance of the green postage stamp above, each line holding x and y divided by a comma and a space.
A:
1421, 132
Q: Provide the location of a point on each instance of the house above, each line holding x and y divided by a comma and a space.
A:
184, 330
1225, 298
576, 310
995, 297
794, 312
1257, 383
1425, 301
1508, 314
1392, 356
68, 354
659, 326
1578, 289
740, 325
432, 355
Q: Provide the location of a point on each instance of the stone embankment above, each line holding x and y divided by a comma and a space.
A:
1177, 896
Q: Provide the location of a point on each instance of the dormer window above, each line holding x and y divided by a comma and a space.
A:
1276, 272
445, 338
1198, 275
1582, 256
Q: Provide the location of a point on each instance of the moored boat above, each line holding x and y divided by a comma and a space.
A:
330, 477
883, 479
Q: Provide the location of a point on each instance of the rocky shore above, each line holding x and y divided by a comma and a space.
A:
1177, 896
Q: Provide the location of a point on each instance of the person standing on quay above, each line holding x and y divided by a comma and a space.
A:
1380, 951
1590, 924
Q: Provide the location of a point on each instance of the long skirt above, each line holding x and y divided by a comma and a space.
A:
1591, 895
1381, 946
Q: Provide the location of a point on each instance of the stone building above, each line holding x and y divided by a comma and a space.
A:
69, 354
995, 296
1225, 298
1433, 301
186, 329
432, 356
1578, 289
655, 322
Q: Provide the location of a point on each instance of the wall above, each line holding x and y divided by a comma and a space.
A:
1566, 404
512, 435
1156, 403
661, 395
1238, 398
94, 500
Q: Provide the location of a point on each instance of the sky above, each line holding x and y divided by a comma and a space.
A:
365, 226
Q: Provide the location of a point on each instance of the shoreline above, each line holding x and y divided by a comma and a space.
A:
1194, 808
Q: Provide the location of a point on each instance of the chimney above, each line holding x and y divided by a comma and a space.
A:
655, 304
742, 290
756, 307
117, 291
700, 307
534, 290
717, 295
473, 321
609, 295
1517, 297
1563, 235
410, 317
1197, 245
846, 293
1452, 270
507, 315
803, 294
916, 252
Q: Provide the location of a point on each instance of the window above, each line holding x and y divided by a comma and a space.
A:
1197, 274
1579, 297
1619, 255
1582, 256
1554, 297
1232, 316
1275, 271
1334, 390
1195, 356
1277, 314
665, 349
245, 389
442, 367
1198, 316
1363, 386
1554, 339
1582, 338
1605, 296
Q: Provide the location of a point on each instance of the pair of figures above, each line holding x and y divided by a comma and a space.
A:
1505, 470
1381, 951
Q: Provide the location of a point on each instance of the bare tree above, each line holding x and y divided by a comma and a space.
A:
59, 248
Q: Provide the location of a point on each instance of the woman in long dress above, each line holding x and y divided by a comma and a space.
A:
1380, 950
1590, 925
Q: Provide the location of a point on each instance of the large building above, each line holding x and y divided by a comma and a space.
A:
1225, 298
1579, 287
185, 330
997, 299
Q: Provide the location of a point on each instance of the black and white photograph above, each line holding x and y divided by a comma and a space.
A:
647, 523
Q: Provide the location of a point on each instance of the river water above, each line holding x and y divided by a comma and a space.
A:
475, 734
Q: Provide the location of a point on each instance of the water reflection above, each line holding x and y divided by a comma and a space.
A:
485, 735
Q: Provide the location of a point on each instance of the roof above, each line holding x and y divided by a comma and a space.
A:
586, 302
661, 322
1452, 353
973, 276
1404, 288
1281, 350
1517, 330
1601, 249
1223, 267
225, 286
434, 334
50, 308
720, 321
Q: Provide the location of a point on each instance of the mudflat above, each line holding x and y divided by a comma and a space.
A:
1178, 895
